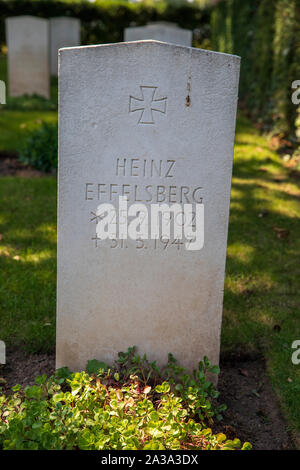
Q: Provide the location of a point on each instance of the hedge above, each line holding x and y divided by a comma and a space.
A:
104, 21
266, 34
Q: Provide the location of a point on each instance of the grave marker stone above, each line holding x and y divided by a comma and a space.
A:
64, 32
160, 131
160, 31
27, 39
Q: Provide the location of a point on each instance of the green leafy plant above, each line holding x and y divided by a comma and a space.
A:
41, 147
108, 410
198, 387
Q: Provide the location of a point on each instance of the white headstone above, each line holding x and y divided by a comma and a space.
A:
27, 38
2, 92
154, 122
160, 31
2, 353
64, 32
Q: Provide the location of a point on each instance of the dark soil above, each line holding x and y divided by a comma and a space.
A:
11, 166
21, 368
252, 413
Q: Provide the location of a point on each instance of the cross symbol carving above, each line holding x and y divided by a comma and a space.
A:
96, 238
147, 104
96, 217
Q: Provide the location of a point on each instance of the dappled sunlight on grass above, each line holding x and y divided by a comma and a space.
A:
262, 296
47, 229
28, 259
241, 251
38, 257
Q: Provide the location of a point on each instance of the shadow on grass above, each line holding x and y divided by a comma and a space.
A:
262, 298
28, 262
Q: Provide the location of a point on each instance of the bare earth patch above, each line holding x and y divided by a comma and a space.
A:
22, 368
253, 414
10, 166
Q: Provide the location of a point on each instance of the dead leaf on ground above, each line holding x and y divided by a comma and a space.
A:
274, 143
259, 126
279, 178
244, 372
292, 163
263, 168
281, 233
278, 142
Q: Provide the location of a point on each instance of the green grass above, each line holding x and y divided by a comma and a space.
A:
28, 262
262, 273
22, 114
15, 126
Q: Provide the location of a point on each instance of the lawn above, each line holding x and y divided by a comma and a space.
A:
261, 304
28, 262
22, 114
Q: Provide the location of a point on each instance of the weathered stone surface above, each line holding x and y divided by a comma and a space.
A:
27, 39
170, 112
160, 31
64, 32
2, 92
2, 353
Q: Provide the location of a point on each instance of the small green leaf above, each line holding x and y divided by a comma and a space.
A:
94, 366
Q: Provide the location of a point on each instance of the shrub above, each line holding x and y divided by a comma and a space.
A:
266, 34
40, 148
114, 409
103, 21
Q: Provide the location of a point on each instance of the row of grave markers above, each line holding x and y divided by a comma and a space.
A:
33, 45
153, 122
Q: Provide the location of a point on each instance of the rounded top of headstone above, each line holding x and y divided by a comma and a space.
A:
163, 23
29, 17
64, 18
148, 43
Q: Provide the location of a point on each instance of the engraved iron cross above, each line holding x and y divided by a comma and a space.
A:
147, 104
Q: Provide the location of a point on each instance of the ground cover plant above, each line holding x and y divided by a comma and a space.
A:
127, 407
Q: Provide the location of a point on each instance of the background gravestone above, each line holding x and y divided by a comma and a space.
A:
159, 296
64, 32
27, 39
2, 92
160, 31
